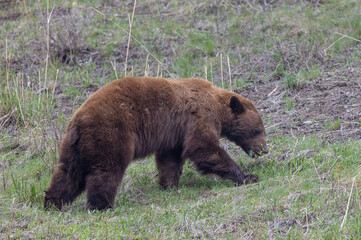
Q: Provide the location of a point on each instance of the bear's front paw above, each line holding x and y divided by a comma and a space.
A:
250, 178
253, 178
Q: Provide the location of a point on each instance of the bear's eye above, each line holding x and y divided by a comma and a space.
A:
257, 132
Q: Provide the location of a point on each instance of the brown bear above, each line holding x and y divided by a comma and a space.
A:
134, 117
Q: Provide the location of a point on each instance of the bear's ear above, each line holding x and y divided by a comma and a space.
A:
236, 105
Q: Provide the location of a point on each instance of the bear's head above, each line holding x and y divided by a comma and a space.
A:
245, 127
51, 202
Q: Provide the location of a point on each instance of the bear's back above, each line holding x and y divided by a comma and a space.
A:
149, 112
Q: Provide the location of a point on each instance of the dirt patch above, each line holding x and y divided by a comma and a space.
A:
335, 96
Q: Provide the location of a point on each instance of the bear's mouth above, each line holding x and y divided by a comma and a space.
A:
253, 154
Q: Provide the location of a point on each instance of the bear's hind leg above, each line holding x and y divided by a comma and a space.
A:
169, 164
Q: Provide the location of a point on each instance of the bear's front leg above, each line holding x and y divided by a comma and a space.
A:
212, 159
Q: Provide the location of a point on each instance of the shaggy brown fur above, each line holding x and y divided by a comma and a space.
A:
134, 117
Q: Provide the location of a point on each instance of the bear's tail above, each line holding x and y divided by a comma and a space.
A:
68, 180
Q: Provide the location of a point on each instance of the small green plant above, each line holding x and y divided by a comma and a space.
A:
72, 91
202, 42
241, 83
290, 80
280, 70
332, 125
303, 76
184, 65
289, 103
309, 75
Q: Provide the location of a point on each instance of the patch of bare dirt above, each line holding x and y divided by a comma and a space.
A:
335, 95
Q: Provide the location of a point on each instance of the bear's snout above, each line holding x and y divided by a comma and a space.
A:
254, 152
264, 150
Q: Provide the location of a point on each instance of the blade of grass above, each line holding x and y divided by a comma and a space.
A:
229, 74
221, 59
129, 37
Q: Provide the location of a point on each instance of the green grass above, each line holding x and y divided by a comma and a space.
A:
293, 195
305, 182
289, 103
332, 125
291, 80
21, 103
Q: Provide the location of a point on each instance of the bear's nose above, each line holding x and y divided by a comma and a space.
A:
264, 150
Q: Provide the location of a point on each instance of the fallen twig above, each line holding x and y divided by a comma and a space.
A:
348, 202
273, 91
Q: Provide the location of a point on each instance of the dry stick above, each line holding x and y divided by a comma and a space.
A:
158, 69
314, 166
357, 40
32, 92
47, 98
26, 11
7, 67
329, 170
136, 40
348, 202
8, 80
16, 83
334, 43
222, 71
342, 37
115, 68
205, 72
306, 222
146, 66
273, 91
212, 73
252, 6
39, 92
53, 91
129, 36
22, 89
47, 51
297, 170
47, 39
229, 73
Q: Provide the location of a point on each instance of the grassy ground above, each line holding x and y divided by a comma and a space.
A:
297, 60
